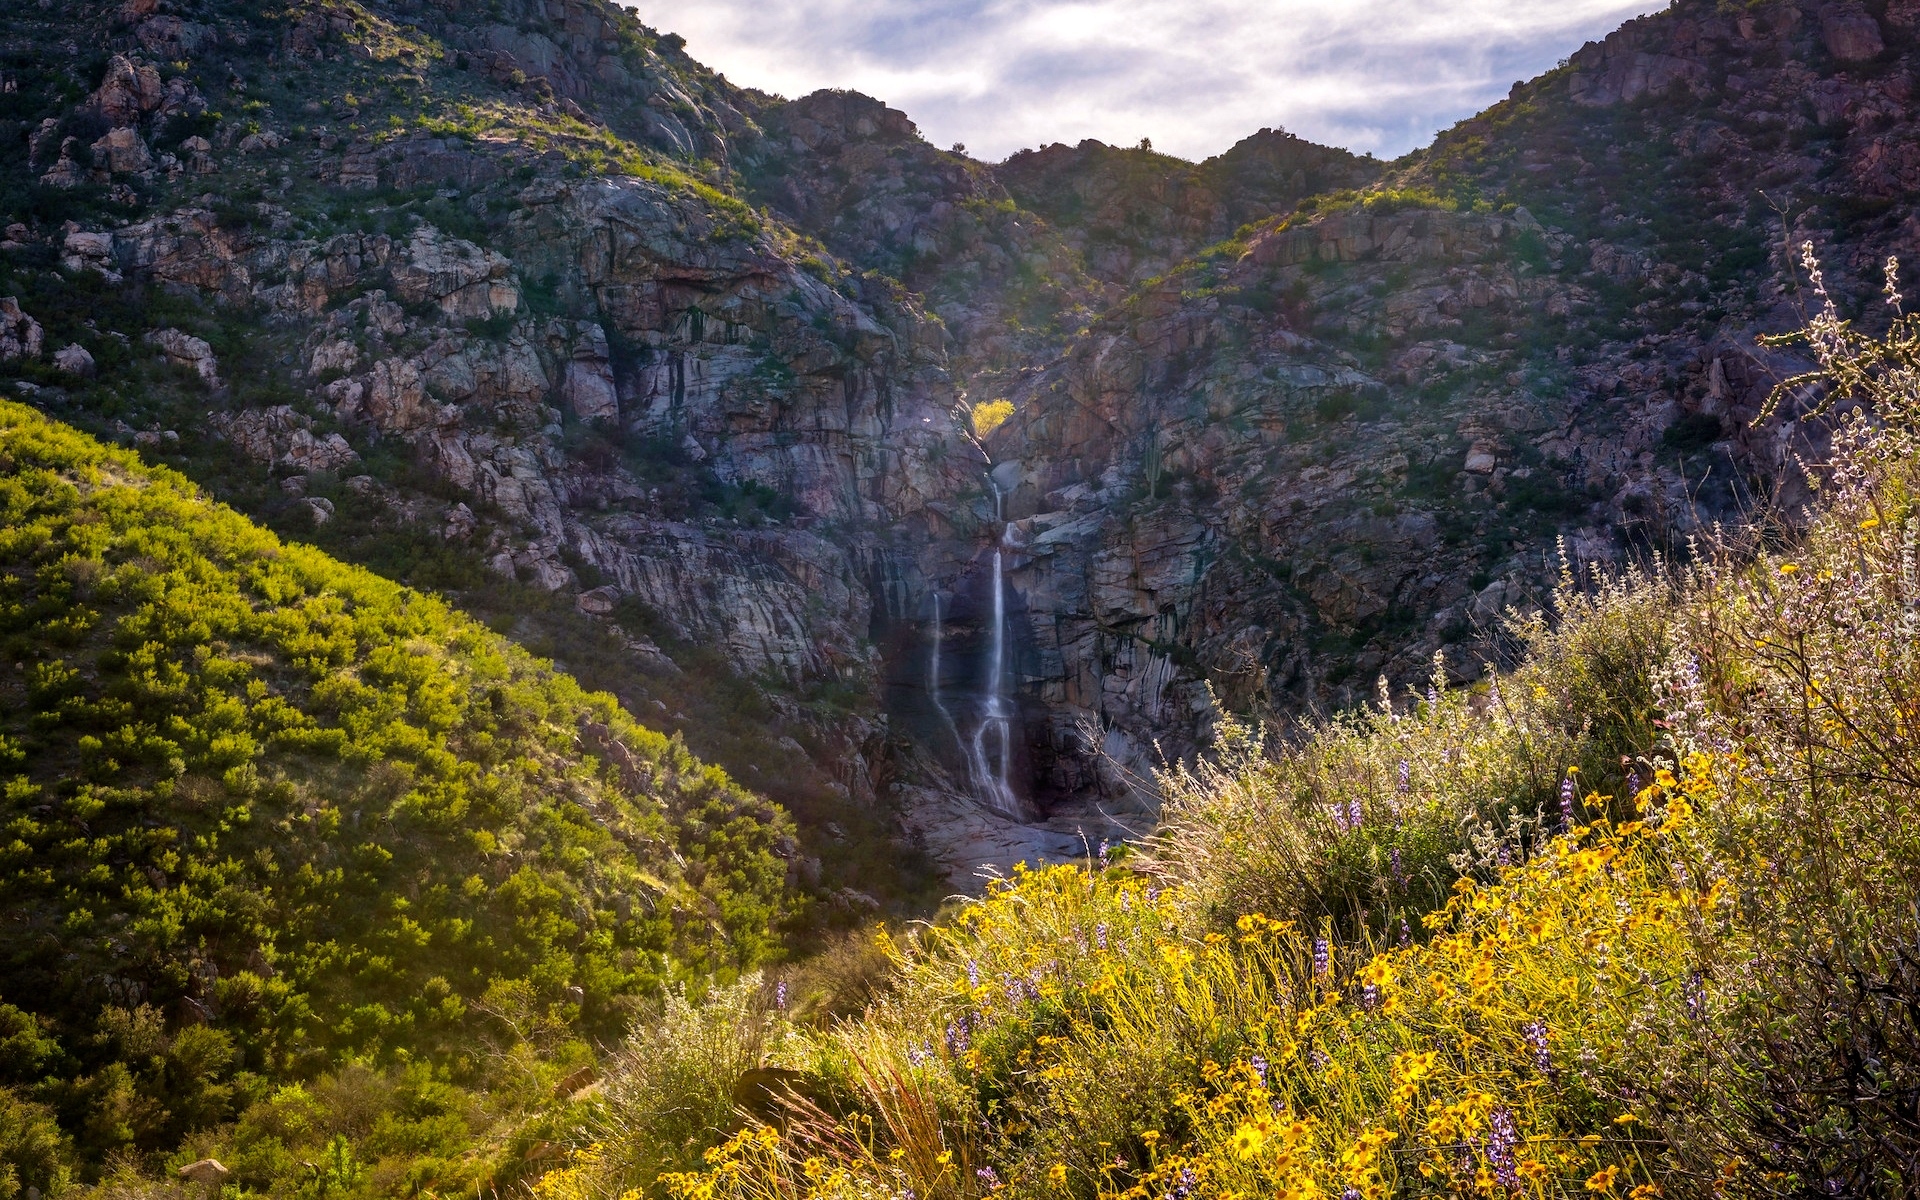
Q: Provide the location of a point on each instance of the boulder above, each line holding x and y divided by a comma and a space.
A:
308, 451
599, 602
130, 91
123, 152
459, 524
1850, 34
207, 1172
74, 360
182, 349
66, 171
199, 152
20, 335
89, 250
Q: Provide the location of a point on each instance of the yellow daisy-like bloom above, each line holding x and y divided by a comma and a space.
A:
1602, 1181
1788, 568
1247, 1141
1057, 1172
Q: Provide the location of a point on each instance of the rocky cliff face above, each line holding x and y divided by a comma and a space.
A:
1348, 440
1284, 422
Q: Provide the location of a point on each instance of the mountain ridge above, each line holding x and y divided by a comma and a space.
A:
939, 282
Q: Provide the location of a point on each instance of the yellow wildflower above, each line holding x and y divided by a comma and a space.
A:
1602, 1181
1057, 1173
1247, 1141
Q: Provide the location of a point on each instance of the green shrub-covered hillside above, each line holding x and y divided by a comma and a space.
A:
269, 818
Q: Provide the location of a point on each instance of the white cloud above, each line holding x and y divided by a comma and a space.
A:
1194, 75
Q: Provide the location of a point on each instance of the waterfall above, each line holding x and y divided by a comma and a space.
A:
990, 751
933, 673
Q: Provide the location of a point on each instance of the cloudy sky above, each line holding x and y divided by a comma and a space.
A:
1193, 75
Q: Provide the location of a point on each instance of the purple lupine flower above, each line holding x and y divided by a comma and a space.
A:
1566, 801
1369, 997
1100, 935
1406, 934
1106, 849
1184, 1184
1318, 1059
1319, 957
1259, 1065
973, 974
1501, 1136
1353, 812
989, 1178
1406, 776
1433, 696
1633, 783
1504, 857
1696, 996
1399, 872
1352, 1193
780, 995
1536, 1032
957, 1038
918, 1056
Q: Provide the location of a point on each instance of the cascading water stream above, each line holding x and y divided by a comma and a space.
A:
933, 674
990, 750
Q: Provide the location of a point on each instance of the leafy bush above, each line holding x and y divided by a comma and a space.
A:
989, 415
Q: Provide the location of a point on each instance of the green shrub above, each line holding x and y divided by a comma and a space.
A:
33, 1151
